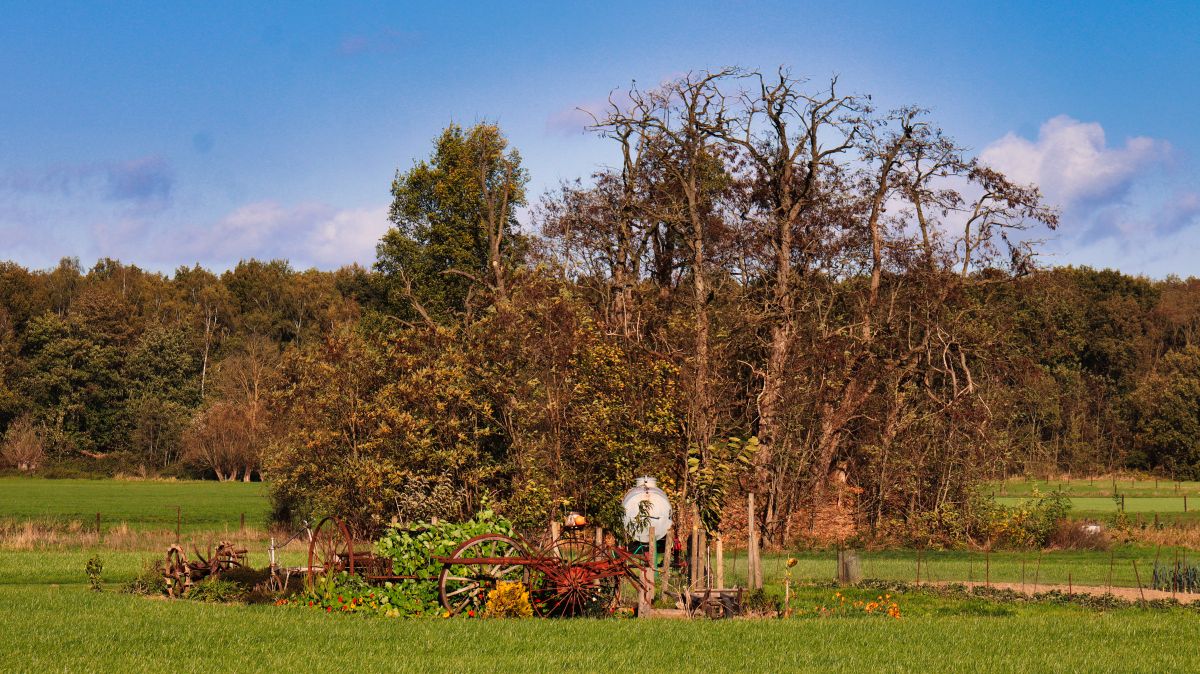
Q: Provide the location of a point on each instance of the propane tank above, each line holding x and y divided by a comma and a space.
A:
657, 510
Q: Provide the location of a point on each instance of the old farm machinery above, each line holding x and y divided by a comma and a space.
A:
570, 576
180, 573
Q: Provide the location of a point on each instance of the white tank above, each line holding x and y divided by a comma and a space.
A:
658, 510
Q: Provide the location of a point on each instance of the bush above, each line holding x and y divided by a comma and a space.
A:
1029, 524
759, 602
149, 582
508, 600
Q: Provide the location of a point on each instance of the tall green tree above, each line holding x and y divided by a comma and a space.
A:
455, 231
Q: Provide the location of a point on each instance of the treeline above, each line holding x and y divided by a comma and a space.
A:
132, 371
776, 289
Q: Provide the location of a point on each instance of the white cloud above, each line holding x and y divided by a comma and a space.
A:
308, 234
1072, 162
1128, 197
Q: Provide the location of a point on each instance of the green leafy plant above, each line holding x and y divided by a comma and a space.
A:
713, 471
412, 550
94, 569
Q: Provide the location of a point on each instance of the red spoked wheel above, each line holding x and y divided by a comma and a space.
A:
476, 567
577, 578
331, 551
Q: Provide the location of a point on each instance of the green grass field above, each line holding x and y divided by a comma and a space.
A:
52, 622
67, 628
1095, 487
142, 505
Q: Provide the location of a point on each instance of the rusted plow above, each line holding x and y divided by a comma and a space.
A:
569, 577
180, 573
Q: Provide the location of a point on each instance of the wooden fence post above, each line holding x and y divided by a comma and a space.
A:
720, 561
753, 573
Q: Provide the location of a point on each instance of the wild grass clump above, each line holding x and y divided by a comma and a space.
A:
149, 582
216, 590
1072, 535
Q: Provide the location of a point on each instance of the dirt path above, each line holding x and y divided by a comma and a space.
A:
1126, 593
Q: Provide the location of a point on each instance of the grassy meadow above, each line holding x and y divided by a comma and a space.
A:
53, 622
141, 505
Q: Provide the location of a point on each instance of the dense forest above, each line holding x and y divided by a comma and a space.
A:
775, 288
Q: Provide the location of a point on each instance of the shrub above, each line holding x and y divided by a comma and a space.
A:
508, 600
95, 567
758, 602
1029, 524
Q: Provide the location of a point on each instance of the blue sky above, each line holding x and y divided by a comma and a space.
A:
167, 135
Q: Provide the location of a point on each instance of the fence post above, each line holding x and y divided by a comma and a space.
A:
720, 562
752, 544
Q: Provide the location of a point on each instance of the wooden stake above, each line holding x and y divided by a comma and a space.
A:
668, 550
1139, 581
178, 521
652, 558
720, 562
987, 568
